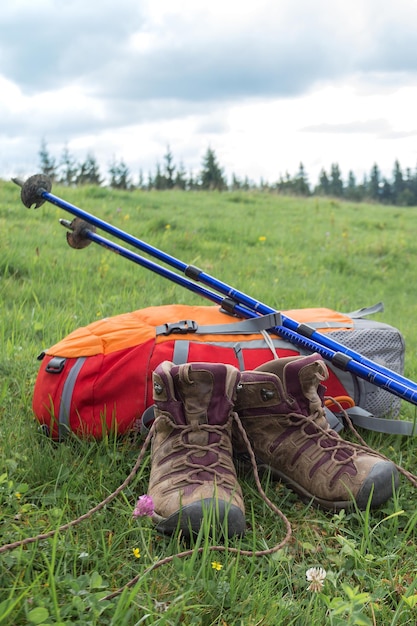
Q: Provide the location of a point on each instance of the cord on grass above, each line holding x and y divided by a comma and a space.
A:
180, 555
412, 478
217, 548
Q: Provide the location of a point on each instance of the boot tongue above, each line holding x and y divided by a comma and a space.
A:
195, 389
301, 378
306, 376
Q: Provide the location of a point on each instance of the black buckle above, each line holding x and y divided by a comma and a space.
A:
55, 365
182, 327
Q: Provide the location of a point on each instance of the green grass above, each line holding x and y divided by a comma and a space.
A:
286, 252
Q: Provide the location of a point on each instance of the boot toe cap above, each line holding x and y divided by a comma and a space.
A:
227, 518
378, 486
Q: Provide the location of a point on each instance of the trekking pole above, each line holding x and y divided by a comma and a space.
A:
81, 235
36, 190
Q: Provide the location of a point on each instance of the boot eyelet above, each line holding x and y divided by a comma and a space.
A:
158, 389
267, 394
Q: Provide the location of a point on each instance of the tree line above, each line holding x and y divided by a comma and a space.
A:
400, 189
67, 171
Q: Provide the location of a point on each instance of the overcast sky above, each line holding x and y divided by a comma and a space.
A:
265, 83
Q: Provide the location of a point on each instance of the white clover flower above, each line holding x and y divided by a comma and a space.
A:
315, 576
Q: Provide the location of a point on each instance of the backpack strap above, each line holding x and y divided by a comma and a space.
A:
335, 423
362, 418
66, 398
367, 310
328, 324
251, 326
354, 315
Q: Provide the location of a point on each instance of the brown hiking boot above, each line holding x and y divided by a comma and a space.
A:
281, 408
192, 467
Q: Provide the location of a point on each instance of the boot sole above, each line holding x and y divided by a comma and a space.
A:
380, 484
227, 518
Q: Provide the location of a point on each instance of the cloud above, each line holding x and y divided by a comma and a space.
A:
376, 126
47, 45
249, 78
130, 52
220, 51
399, 134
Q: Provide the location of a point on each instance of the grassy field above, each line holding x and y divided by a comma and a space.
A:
286, 252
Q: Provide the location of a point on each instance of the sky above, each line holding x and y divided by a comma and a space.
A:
266, 84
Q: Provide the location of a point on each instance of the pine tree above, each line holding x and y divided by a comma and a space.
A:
413, 184
336, 183
374, 190
169, 169
237, 183
408, 196
141, 182
159, 180
398, 183
119, 175
300, 185
246, 185
351, 191
47, 162
150, 184
192, 183
386, 192
323, 187
212, 176
89, 172
68, 168
263, 185
181, 177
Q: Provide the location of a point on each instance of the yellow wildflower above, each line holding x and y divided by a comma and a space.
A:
216, 565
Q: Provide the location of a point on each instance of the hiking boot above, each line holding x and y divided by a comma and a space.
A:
280, 405
192, 469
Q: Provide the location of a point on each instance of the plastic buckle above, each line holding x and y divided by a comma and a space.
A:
55, 365
183, 327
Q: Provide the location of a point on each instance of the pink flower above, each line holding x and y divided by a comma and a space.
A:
144, 506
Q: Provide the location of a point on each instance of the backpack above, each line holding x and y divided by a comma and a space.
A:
98, 379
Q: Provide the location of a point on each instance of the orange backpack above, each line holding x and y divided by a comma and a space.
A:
99, 378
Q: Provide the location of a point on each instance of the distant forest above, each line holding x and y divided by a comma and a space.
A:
400, 189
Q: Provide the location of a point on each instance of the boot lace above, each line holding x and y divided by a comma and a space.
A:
208, 462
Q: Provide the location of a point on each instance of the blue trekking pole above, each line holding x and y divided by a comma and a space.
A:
81, 234
36, 190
